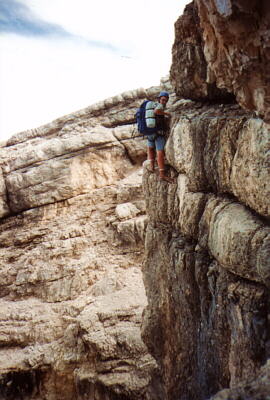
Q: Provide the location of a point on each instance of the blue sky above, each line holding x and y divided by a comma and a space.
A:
18, 18
57, 56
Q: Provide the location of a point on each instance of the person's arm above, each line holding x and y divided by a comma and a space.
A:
160, 111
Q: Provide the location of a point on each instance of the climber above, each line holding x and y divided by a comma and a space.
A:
156, 141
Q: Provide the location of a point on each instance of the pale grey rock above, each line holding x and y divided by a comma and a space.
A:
231, 231
191, 207
27, 323
251, 166
126, 210
66, 174
133, 230
223, 154
65, 271
133, 142
236, 238
110, 329
71, 249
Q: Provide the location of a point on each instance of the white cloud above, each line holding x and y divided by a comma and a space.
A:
125, 23
42, 79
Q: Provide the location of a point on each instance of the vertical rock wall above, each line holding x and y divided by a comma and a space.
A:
207, 269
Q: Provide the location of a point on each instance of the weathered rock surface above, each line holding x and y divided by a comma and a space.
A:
207, 263
71, 248
222, 150
189, 67
224, 44
255, 389
73, 223
207, 326
207, 243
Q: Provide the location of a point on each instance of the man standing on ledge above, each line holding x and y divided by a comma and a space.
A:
156, 141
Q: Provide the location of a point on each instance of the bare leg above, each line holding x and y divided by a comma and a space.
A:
151, 153
161, 166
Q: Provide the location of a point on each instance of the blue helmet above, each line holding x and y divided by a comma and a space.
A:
163, 94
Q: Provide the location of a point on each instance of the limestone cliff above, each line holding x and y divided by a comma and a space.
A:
71, 248
74, 221
223, 46
207, 269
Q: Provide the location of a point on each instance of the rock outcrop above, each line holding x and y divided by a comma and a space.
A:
189, 71
207, 269
224, 44
74, 221
207, 272
71, 248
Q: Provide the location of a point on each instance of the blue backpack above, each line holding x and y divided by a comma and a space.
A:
141, 120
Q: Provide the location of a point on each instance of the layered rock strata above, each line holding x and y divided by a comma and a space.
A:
207, 269
71, 248
224, 44
72, 154
207, 272
73, 225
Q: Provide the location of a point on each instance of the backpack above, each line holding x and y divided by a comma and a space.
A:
145, 118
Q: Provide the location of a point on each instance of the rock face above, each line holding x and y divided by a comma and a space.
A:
207, 269
73, 225
71, 248
189, 72
224, 43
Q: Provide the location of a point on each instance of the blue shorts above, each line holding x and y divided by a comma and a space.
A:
156, 141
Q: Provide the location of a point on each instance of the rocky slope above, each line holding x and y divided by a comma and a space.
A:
71, 248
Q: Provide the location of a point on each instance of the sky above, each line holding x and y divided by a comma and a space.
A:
59, 56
